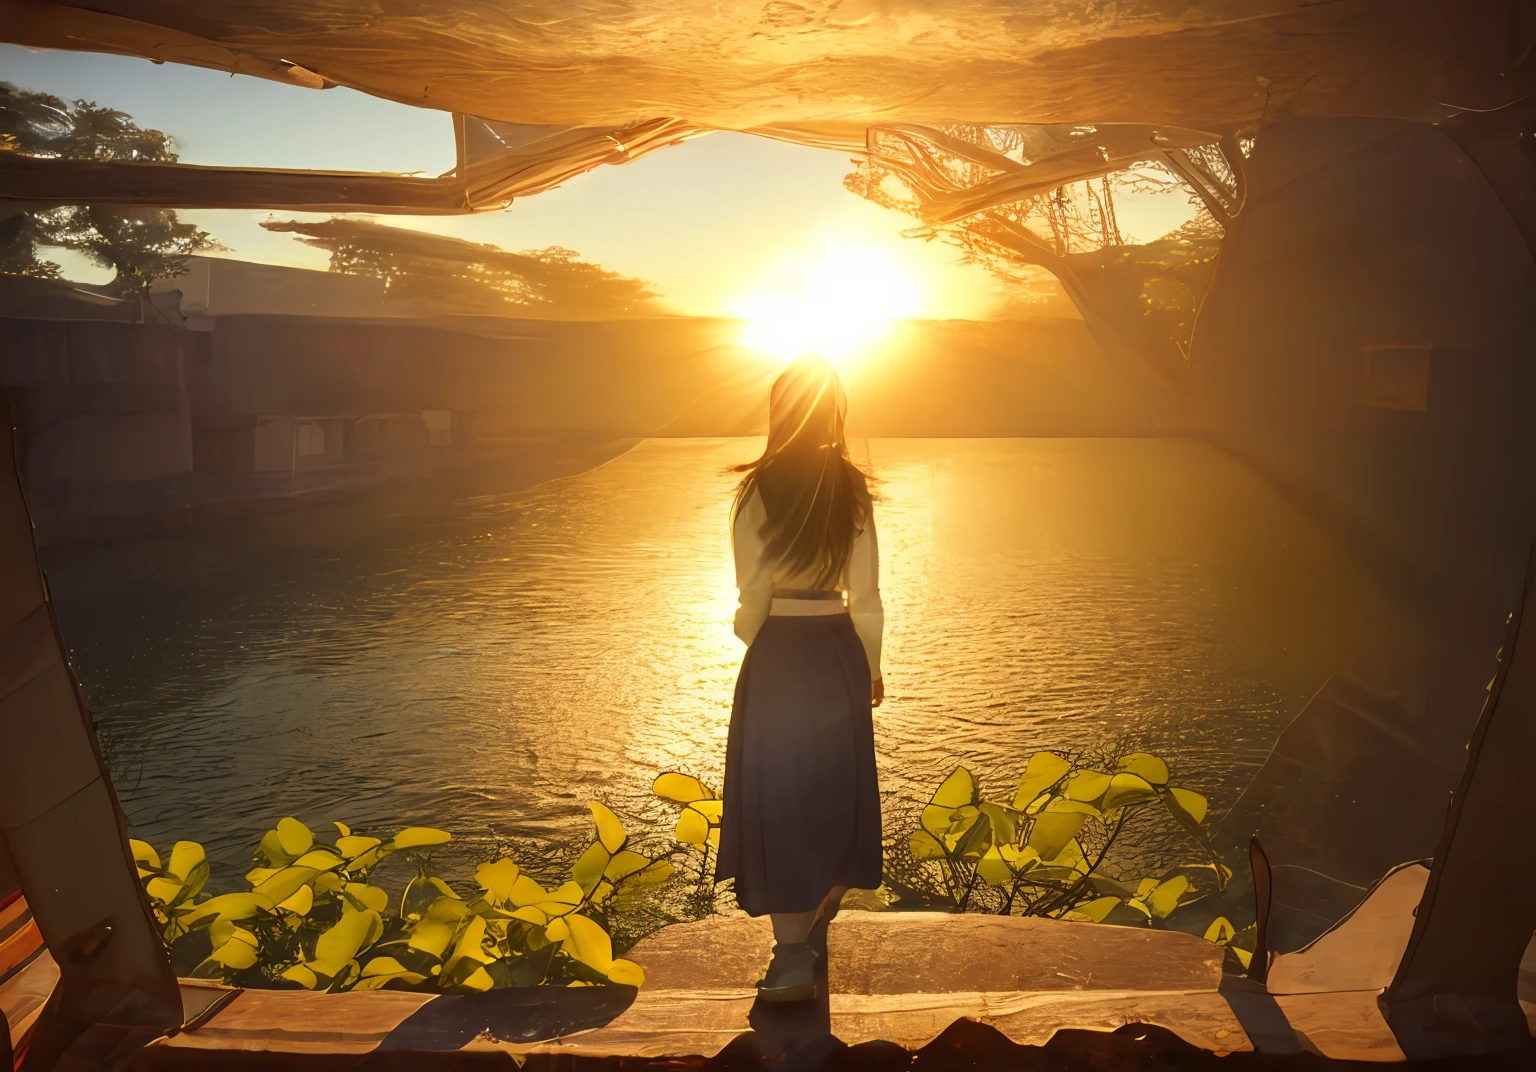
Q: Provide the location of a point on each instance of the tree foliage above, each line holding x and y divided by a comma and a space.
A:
1016, 199
438, 274
140, 245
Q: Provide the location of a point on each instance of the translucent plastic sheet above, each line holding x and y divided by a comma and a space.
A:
737, 65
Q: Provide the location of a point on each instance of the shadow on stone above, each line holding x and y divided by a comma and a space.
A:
520, 1014
798, 1034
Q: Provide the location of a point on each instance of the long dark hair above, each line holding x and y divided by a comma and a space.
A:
816, 498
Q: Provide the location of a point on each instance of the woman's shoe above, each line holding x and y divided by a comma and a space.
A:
791, 975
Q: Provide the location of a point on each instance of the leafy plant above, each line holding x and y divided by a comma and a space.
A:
1044, 851
698, 823
313, 919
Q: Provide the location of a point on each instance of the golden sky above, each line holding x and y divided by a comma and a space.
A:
717, 225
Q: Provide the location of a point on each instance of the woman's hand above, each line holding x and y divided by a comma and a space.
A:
876, 691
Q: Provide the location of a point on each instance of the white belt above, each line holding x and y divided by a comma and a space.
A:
806, 608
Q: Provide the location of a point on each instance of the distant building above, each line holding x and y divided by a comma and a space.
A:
221, 286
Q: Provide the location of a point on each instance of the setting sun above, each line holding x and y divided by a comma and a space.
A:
846, 300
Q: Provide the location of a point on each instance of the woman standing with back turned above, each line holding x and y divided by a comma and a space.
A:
801, 820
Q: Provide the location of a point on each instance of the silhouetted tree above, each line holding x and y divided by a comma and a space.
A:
1017, 198
438, 273
139, 244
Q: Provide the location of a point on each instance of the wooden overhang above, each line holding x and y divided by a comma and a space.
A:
598, 85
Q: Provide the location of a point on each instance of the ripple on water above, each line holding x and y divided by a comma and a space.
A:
495, 669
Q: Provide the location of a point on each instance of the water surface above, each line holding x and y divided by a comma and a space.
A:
492, 664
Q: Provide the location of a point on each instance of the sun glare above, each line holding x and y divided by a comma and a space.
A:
847, 301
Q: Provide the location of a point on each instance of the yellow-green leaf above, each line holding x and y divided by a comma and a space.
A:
497, 878
1126, 789
343, 829
1190, 802
710, 809
271, 850
1139, 906
300, 973
958, 790
526, 892
568, 893
1146, 766
588, 871
367, 896
185, 856
1004, 822
1165, 897
420, 893
223, 930
294, 836
1043, 770
379, 982
231, 906
471, 945
925, 846
299, 902
1070, 857
478, 980
610, 831
657, 871
531, 914
144, 854
418, 837
1144, 887
257, 875
1220, 931
692, 828
319, 859
235, 954
1098, 908
285, 883
587, 942
680, 788
624, 864
431, 937
354, 845
1020, 860
1081, 807
1087, 786
341, 943
1053, 830
164, 890
1244, 956
626, 973
994, 870
557, 930
447, 910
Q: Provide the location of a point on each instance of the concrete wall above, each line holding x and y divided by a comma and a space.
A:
102, 403
680, 377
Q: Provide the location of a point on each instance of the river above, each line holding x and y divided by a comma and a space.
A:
491, 664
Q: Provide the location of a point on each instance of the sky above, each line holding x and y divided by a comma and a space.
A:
710, 224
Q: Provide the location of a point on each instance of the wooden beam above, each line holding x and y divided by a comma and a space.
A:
48, 181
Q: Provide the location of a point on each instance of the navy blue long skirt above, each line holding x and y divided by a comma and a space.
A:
801, 801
